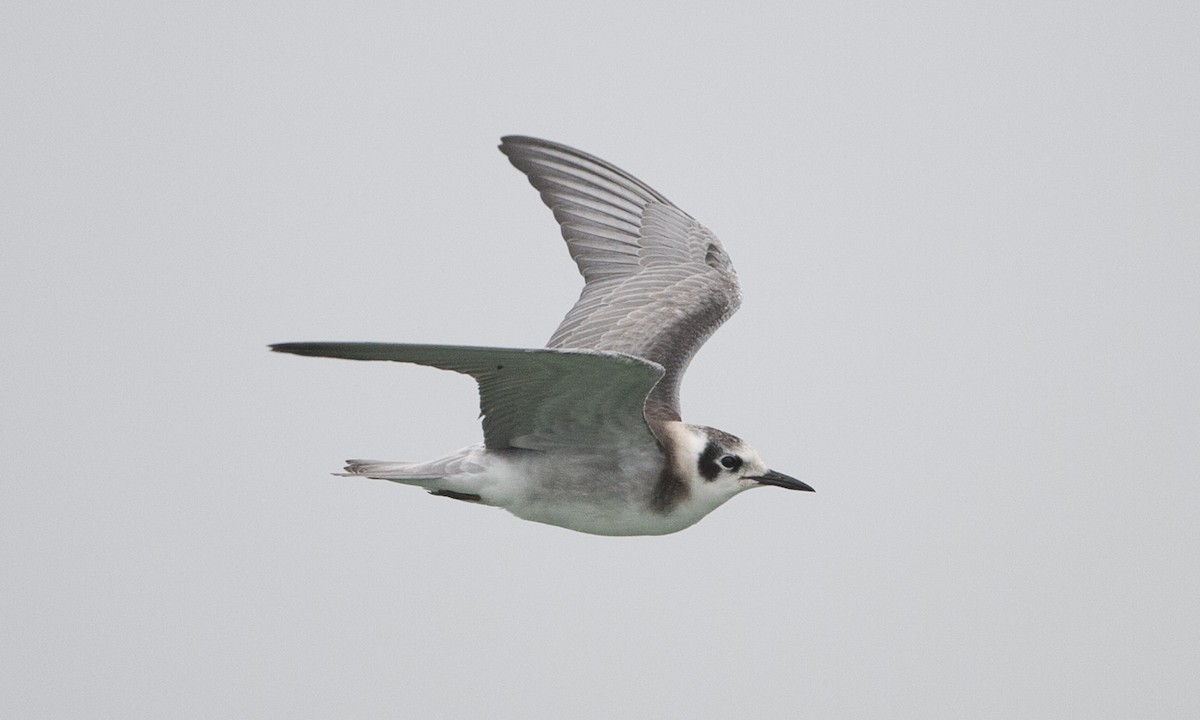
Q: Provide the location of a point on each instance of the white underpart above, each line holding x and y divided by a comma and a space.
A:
599, 493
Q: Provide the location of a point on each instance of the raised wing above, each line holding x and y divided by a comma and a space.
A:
657, 283
534, 399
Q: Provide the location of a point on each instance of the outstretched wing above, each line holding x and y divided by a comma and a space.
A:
657, 283
534, 399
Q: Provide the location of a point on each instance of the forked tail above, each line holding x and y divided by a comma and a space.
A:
395, 471
430, 475
414, 473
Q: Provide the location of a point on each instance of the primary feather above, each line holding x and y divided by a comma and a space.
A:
657, 283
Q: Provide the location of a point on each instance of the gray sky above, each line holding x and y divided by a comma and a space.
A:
969, 239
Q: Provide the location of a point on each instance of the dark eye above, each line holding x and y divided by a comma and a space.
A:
731, 462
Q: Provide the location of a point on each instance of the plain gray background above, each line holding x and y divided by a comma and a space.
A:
969, 237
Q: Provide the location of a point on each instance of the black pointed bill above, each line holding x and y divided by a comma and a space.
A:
778, 479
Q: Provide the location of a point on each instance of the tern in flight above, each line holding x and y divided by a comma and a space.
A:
585, 433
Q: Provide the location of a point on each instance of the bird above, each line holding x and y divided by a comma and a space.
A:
586, 433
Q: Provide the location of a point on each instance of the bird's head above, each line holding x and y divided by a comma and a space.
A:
715, 466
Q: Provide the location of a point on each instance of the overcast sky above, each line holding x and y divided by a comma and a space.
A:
969, 240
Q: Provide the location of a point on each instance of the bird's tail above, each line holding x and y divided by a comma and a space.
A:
386, 470
413, 473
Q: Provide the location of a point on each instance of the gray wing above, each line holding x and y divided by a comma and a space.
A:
533, 399
657, 283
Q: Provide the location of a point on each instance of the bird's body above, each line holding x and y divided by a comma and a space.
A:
600, 492
586, 433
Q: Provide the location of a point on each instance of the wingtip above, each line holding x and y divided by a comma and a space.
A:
291, 348
513, 139
510, 143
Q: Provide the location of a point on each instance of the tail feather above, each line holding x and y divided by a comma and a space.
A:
384, 470
415, 473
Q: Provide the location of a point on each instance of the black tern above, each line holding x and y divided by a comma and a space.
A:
586, 433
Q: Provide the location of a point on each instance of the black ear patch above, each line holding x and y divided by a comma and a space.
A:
708, 467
